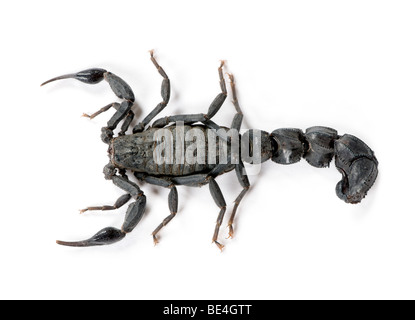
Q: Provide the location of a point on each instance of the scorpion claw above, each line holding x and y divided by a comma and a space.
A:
105, 236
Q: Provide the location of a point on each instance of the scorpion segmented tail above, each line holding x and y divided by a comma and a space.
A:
318, 145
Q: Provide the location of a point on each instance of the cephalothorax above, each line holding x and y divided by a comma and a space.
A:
136, 152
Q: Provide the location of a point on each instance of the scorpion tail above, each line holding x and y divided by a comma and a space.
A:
318, 145
358, 166
105, 236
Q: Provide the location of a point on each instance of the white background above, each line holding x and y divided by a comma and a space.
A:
347, 65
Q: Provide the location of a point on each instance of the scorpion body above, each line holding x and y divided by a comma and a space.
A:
136, 152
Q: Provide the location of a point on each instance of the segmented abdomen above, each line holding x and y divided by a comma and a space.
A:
155, 151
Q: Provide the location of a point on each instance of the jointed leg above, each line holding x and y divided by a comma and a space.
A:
220, 202
239, 168
126, 123
195, 180
118, 204
129, 118
237, 119
173, 203
199, 180
172, 200
243, 180
165, 94
115, 105
198, 117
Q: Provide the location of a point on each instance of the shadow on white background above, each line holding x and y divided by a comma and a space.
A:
296, 64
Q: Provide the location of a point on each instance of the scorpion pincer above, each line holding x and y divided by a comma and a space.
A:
135, 152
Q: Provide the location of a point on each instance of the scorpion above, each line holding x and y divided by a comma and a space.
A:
135, 152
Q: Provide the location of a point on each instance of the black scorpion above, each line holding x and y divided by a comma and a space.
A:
353, 158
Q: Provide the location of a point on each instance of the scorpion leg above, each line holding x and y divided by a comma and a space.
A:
239, 168
165, 94
237, 119
129, 118
220, 133
172, 200
220, 202
118, 204
195, 180
126, 124
199, 180
199, 117
115, 105
243, 180
133, 216
173, 203
122, 112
